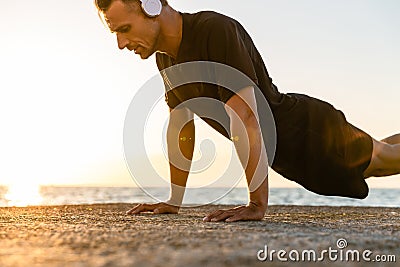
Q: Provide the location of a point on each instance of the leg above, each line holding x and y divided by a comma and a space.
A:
392, 140
385, 160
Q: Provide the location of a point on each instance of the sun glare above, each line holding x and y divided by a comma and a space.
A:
23, 195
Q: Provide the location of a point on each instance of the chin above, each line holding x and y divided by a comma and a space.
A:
145, 54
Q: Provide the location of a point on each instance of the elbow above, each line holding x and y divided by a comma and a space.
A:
178, 133
249, 120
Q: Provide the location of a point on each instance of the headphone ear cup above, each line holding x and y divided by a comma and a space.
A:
151, 8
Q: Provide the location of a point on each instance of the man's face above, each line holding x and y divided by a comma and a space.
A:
134, 30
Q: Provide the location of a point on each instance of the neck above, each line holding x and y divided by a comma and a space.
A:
170, 32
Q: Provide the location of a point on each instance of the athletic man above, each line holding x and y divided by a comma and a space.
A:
316, 146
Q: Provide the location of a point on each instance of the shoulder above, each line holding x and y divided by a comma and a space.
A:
211, 21
211, 17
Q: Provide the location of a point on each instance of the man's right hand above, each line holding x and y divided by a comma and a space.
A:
157, 208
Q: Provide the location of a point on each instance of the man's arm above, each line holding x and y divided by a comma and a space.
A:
180, 145
249, 144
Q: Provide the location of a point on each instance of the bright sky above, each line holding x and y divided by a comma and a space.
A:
65, 86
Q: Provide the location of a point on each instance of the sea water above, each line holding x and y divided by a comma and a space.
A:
52, 195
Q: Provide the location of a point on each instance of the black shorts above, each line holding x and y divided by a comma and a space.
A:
320, 150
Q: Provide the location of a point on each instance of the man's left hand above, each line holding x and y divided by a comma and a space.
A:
250, 212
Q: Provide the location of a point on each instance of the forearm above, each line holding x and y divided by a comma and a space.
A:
253, 157
180, 146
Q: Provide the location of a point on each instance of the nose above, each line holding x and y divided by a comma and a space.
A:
122, 41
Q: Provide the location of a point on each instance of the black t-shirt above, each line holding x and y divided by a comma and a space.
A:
315, 145
210, 36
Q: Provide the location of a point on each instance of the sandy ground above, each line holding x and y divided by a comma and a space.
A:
102, 235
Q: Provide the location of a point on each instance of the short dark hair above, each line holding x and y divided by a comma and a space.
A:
103, 5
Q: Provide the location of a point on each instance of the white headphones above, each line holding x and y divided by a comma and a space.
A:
151, 8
